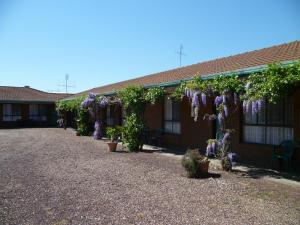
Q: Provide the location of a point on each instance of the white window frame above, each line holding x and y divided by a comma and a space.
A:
172, 125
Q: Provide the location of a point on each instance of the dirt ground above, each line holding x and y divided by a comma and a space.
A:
51, 176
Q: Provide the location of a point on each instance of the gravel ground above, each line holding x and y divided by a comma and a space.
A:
50, 176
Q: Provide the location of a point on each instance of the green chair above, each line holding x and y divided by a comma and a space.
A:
284, 151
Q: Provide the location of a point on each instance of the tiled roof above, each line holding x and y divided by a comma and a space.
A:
27, 94
278, 53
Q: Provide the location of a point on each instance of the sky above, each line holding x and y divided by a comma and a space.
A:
99, 42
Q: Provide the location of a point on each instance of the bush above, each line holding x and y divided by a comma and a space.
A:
192, 161
132, 132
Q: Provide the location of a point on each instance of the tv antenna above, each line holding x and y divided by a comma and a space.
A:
180, 53
66, 83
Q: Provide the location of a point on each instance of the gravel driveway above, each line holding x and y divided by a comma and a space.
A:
50, 176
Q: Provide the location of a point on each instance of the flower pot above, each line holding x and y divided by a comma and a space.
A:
203, 167
112, 146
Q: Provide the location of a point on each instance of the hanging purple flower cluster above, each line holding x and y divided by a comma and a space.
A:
253, 106
103, 102
98, 130
195, 96
212, 147
93, 106
232, 157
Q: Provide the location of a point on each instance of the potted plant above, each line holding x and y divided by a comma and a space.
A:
195, 164
113, 133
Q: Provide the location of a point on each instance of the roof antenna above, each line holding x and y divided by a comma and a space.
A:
66, 83
180, 53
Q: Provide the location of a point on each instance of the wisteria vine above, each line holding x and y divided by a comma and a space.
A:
228, 92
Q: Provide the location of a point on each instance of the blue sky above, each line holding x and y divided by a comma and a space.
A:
100, 42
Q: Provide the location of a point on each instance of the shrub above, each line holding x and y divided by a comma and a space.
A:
132, 132
192, 161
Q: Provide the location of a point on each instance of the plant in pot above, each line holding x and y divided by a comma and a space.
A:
195, 164
113, 133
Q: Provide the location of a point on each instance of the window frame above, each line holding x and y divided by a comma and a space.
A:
172, 120
267, 124
39, 116
12, 113
110, 120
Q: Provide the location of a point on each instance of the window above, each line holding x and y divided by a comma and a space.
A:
11, 112
271, 125
172, 116
109, 115
38, 112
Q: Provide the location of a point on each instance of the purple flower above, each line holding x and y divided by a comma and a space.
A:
214, 148
248, 106
103, 103
226, 110
98, 130
254, 107
195, 101
232, 157
209, 150
224, 99
191, 94
260, 105
226, 138
218, 100
92, 95
221, 119
236, 98
203, 98
196, 114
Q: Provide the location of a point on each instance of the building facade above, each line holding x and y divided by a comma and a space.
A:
27, 107
254, 137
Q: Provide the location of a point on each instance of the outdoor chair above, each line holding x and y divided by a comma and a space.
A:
156, 138
284, 151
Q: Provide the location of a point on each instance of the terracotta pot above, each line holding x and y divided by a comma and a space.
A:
203, 167
112, 146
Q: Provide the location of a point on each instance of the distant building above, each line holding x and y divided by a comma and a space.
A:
27, 107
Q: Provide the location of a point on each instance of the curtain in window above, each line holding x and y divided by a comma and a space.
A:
7, 112
38, 112
272, 125
11, 112
109, 117
172, 116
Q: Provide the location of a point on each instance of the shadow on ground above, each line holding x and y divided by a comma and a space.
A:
256, 173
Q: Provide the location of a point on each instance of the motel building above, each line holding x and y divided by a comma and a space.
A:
255, 135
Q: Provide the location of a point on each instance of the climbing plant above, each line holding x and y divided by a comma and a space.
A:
81, 114
134, 100
228, 91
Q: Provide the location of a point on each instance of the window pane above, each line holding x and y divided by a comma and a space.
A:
176, 128
33, 110
275, 113
168, 108
275, 135
261, 114
175, 111
7, 109
16, 109
249, 118
43, 110
168, 127
254, 134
